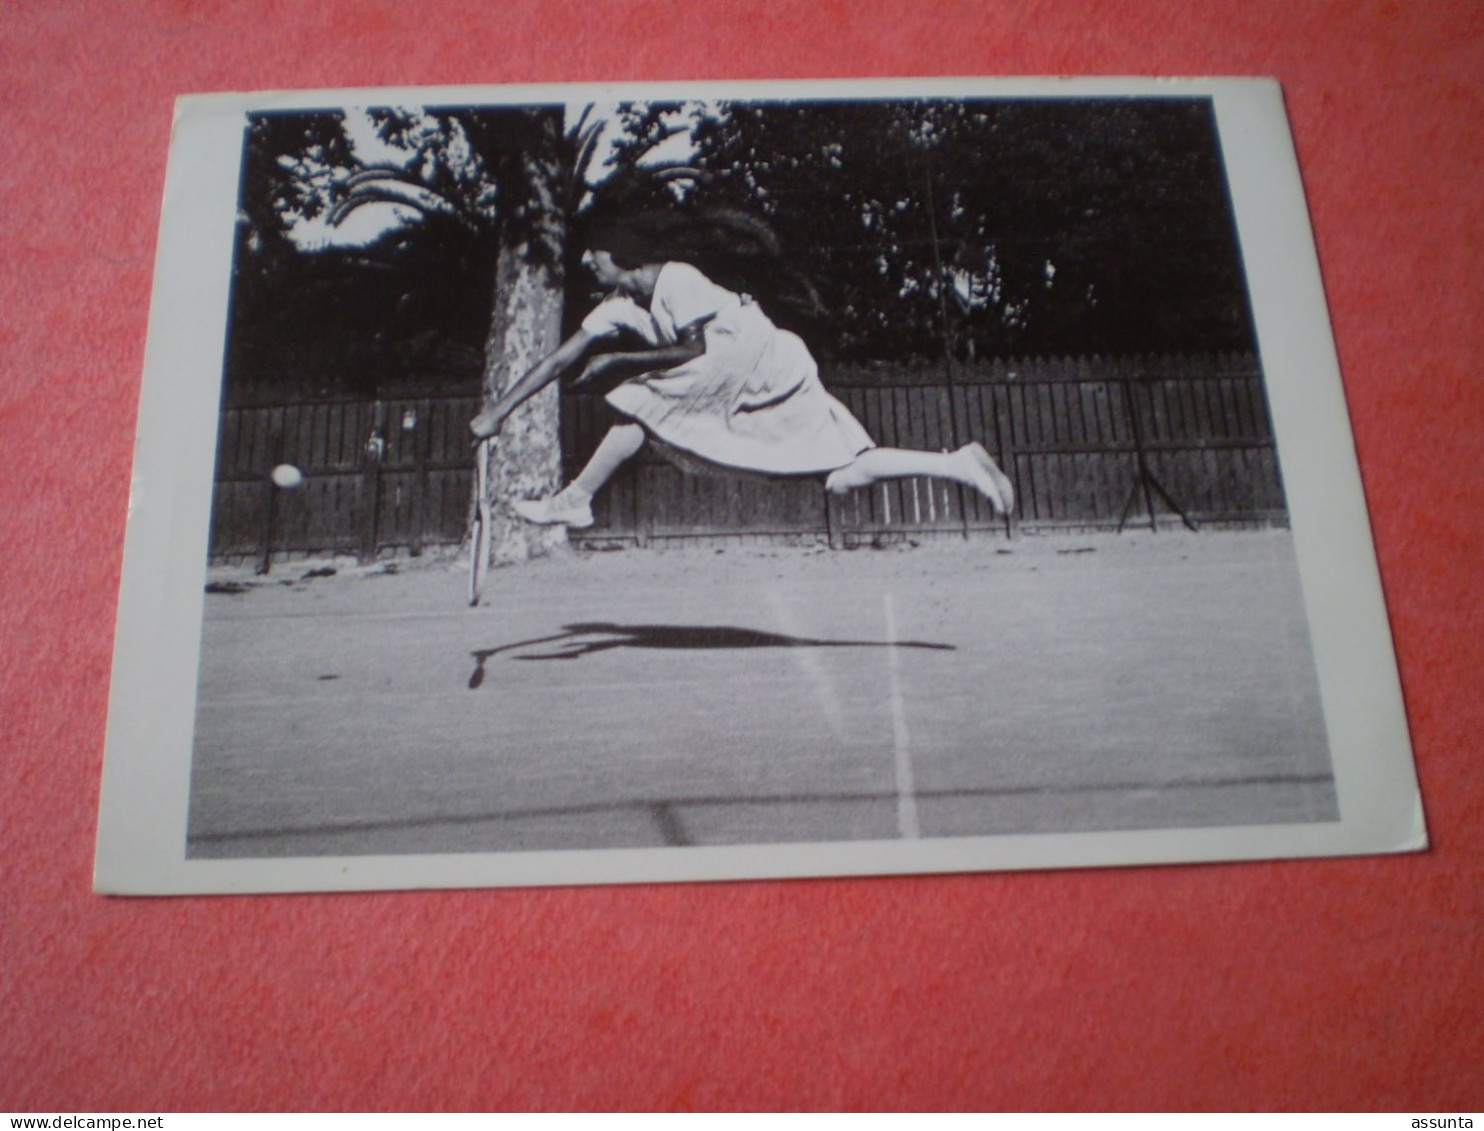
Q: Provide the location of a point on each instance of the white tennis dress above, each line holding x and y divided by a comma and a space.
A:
753, 401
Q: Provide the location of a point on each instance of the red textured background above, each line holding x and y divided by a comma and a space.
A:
1333, 984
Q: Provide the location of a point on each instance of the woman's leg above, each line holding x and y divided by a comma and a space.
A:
971, 465
621, 444
573, 506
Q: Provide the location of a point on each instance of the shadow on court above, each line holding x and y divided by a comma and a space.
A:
767, 697
679, 637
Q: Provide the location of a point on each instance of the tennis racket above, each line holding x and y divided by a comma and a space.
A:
479, 538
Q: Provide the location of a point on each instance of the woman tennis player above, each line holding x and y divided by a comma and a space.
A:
716, 386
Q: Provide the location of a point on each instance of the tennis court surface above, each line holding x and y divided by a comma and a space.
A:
1053, 683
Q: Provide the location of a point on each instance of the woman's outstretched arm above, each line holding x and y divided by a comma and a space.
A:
613, 368
543, 373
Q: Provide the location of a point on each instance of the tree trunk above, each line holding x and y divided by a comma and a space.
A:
526, 325
526, 461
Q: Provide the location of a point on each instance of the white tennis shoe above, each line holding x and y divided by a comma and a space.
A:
988, 479
571, 507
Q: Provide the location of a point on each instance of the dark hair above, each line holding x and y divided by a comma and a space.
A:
632, 240
734, 249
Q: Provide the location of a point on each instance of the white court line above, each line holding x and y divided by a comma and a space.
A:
907, 824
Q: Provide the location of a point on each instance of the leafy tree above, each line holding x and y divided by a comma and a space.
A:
312, 316
488, 194
995, 227
513, 179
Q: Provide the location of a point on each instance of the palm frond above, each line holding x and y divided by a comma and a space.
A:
392, 186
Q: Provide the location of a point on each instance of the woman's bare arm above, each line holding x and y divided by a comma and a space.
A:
613, 368
543, 373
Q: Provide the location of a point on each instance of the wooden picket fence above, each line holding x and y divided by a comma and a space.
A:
1089, 443
380, 476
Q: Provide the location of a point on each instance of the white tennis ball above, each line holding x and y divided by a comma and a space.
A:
287, 476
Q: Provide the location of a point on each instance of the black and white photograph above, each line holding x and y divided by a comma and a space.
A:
618, 484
